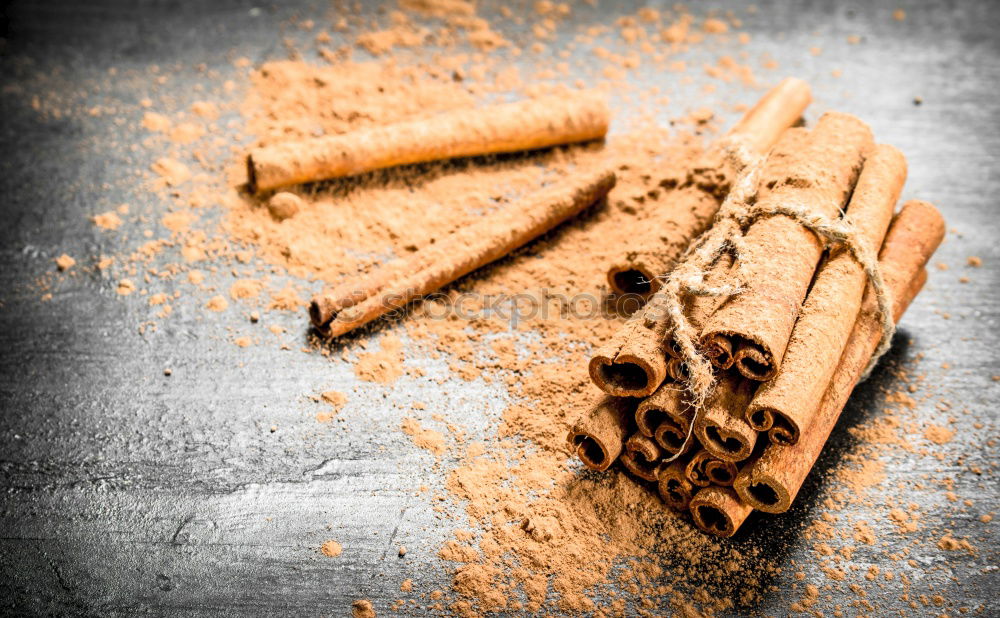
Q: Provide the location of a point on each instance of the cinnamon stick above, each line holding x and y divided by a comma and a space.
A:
338, 310
642, 456
721, 427
779, 255
719, 511
786, 403
700, 308
674, 487
665, 416
599, 437
771, 481
510, 127
641, 269
676, 369
705, 469
634, 361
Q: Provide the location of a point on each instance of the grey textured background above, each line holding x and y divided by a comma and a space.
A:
128, 492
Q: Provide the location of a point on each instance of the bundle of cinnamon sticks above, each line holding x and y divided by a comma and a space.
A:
789, 313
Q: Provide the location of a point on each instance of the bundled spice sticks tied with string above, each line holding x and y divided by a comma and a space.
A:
724, 387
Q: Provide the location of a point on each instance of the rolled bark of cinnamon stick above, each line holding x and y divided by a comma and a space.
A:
705, 469
721, 427
641, 269
786, 403
341, 309
771, 481
599, 437
634, 361
779, 255
676, 369
674, 487
510, 127
642, 457
665, 416
719, 511
699, 308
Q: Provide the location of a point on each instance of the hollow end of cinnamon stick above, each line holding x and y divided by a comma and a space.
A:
592, 452
784, 431
719, 511
670, 436
697, 469
762, 491
674, 488
319, 318
719, 350
648, 418
732, 446
633, 279
727, 441
626, 375
721, 427
677, 369
760, 419
720, 472
663, 416
752, 362
642, 457
598, 439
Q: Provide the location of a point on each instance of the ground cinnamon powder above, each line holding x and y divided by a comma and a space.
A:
541, 533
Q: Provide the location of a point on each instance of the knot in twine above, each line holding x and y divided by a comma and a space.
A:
737, 212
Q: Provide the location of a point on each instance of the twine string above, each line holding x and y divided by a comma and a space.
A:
737, 212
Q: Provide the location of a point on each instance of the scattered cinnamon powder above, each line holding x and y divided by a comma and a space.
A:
331, 549
428, 439
217, 303
155, 122
938, 434
65, 262
244, 289
108, 220
172, 172
125, 287
362, 609
383, 366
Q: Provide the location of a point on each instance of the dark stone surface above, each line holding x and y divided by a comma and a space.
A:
128, 492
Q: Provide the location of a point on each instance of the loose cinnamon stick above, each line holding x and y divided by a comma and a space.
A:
344, 308
634, 361
705, 469
599, 437
786, 403
721, 428
771, 481
665, 416
640, 271
525, 125
642, 456
779, 255
719, 511
674, 487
